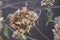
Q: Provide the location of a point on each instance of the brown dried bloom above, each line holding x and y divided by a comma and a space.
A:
56, 30
47, 2
22, 19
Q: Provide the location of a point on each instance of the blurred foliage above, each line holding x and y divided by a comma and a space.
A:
5, 30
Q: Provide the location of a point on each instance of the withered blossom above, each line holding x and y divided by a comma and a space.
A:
21, 21
47, 2
56, 30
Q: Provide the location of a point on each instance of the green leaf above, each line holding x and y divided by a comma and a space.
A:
5, 30
49, 9
29, 34
21, 38
49, 20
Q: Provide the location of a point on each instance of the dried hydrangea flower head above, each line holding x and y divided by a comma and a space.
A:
21, 20
56, 30
47, 2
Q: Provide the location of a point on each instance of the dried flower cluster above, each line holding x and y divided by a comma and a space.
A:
56, 30
47, 2
21, 21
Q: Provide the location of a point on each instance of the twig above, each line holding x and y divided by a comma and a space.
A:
39, 12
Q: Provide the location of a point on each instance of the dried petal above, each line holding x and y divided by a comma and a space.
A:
1, 18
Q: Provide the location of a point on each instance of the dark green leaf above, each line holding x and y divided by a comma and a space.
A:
49, 20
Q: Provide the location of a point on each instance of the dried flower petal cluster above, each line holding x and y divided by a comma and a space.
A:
21, 21
47, 2
56, 30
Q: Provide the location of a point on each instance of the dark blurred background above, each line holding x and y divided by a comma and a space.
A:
33, 5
